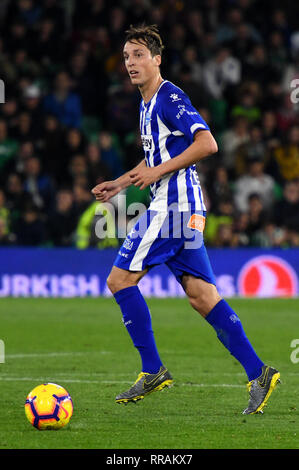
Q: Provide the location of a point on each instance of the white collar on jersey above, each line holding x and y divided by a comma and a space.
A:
146, 104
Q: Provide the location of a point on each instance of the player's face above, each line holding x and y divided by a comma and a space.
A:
142, 67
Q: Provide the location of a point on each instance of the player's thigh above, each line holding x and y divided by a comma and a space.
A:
121, 278
202, 295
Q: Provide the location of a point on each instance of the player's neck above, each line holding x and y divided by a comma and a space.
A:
150, 88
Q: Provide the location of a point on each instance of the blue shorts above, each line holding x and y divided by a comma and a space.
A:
175, 239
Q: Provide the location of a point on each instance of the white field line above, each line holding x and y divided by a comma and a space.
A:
53, 354
41, 379
102, 352
6, 377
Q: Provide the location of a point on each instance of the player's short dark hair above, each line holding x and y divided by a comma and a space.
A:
147, 35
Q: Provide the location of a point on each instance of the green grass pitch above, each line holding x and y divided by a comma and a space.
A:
82, 345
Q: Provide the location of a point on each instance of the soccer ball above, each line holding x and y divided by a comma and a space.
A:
48, 406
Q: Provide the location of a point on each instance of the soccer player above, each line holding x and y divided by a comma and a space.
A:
175, 138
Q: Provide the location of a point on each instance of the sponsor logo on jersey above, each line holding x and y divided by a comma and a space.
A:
147, 142
267, 276
174, 97
182, 109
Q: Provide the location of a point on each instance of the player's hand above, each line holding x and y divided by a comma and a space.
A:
145, 176
104, 191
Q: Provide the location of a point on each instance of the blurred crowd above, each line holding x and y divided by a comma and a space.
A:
70, 116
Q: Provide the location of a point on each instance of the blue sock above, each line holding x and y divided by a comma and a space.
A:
231, 334
137, 320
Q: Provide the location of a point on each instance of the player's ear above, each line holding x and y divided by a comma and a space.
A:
157, 59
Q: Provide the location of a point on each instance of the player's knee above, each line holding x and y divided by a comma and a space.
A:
194, 303
116, 282
113, 283
204, 303
200, 304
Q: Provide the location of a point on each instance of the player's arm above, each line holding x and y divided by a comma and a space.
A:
104, 191
203, 145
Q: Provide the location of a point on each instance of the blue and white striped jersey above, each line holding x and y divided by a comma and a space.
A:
168, 123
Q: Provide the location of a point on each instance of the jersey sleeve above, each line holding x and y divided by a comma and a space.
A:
178, 114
